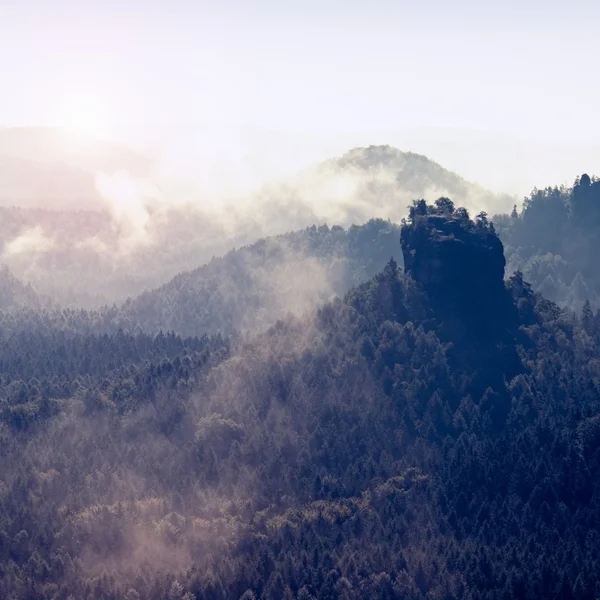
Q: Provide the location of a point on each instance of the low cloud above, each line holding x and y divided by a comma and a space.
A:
32, 240
128, 200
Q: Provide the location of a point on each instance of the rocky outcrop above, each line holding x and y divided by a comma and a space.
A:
460, 264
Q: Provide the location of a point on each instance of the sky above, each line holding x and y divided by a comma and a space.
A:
522, 70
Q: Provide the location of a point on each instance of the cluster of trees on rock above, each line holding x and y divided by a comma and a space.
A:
361, 450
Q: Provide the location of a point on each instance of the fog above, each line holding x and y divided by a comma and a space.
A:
231, 368
121, 219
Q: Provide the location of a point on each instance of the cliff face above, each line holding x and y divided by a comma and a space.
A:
460, 264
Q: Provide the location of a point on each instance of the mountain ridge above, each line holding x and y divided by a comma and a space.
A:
138, 243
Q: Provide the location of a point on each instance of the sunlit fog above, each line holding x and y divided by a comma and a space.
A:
299, 300
236, 117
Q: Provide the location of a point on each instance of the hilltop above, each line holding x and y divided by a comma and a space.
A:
373, 181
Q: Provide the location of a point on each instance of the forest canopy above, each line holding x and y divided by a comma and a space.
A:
434, 433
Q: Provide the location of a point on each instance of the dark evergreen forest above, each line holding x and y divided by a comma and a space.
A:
433, 433
554, 240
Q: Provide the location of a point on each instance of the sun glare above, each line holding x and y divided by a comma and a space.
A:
85, 117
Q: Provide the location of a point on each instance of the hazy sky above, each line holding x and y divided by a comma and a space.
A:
318, 66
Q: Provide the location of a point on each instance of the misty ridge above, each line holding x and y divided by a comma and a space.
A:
129, 238
74, 246
112, 223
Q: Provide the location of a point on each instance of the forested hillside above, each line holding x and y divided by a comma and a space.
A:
15, 295
250, 288
245, 290
554, 241
433, 434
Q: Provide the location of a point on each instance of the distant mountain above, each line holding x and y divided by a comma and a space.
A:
54, 145
27, 183
48, 167
374, 181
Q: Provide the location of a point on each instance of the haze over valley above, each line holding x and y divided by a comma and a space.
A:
108, 223
299, 301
